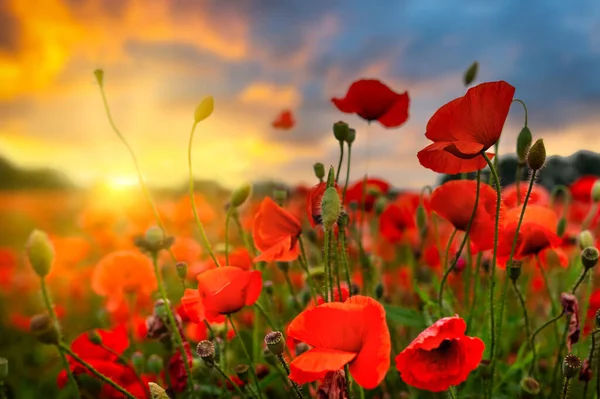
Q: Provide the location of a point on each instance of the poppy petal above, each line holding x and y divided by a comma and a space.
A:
398, 113
316, 363
437, 158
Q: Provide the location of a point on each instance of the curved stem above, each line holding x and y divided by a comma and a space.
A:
95, 372
579, 281
524, 308
553, 304
475, 289
516, 100
250, 365
227, 217
303, 259
347, 172
590, 216
539, 330
295, 386
348, 387
447, 271
339, 168
233, 384
192, 199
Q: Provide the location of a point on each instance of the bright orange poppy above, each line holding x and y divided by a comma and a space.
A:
275, 233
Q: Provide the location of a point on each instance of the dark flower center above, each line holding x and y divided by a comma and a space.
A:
444, 346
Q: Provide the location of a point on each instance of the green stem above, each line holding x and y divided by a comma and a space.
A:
536, 332
61, 353
192, 199
524, 308
327, 261
347, 172
95, 372
342, 239
452, 392
226, 378
348, 387
249, 245
579, 281
125, 362
304, 264
339, 168
295, 387
475, 289
553, 304
227, 217
590, 360
516, 100
447, 271
252, 370
565, 388
297, 307
590, 216
173, 325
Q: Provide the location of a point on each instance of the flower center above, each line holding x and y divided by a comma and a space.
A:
444, 346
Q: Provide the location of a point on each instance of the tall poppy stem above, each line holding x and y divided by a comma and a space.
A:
590, 216
327, 261
347, 376
339, 168
251, 365
172, 324
227, 218
95, 372
553, 304
295, 386
193, 201
348, 163
447, 269
303, 259
475, 290
342, 239
590, 361
226, 378
536, 332
524, 308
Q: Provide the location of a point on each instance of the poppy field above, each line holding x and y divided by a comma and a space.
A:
481, 285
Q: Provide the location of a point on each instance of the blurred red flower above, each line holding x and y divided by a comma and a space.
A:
581, 189
399, 216
284, 121
465, 127
441, 356
372, 100
374, 188
275, 233
539, 195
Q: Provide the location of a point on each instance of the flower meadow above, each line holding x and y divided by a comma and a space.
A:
469, 288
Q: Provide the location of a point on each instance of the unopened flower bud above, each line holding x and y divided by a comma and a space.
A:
589, 257
241, 370
3, 368
351, 136
157, 392
301, 347
514, 269
586, 239
280, 195
40, 252
529, 387
44, 329
268, 287
154, 365
206, 351
340, 131
240, 195
94, 337
182, 269
523, 143
471, 73
570, 366
536, 157
421, 217
160, 308
138, 361
378, 291
380, 205
275, 342
343, 220
154, 236
330, 208
204, 109
596, 191
99, 74
319, 169
561, 227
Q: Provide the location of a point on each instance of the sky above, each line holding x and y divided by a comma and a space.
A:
256, 58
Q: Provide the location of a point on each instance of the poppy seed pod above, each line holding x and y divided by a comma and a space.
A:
182, 269
154, 364
157, 392
138, 361
330, 208
204, 109
523, 143
319, 169
99, 74
241, 370
529, 387
471, 73
40, 252
275, 342
340, 131
596, 191
570, 366
42, 326
536, 157
154, 236
3, 368
94, 337
351, 136
589, 257
206, 351
514, 269
240, 195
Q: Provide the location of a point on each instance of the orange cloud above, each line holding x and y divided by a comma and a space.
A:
262, 93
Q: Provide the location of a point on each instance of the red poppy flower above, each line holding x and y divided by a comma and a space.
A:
454, 201
375, 187
284, 121
354, 332
313, 202
398, 217
222, 291
177, 371
374, 101
539, 195
275, 233
441, 356
581, 189
465, 127
537, 232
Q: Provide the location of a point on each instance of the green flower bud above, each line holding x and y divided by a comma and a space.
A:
99, 74
155, 236
570, 366
182, 269
586, 239
154, 364
206, 351
280, 195
319, 169
160, 308
157, 392
471, 73
241, 370
330, 208
421, 218
331, 177
351, 136
138, 361
589, 257
204, 109
536, 157
3, 368
514, 269
44, 329
561, 227
340, 131
40, 252
275, 342
596, 191
523, 143
94, 337
380, 205
240, 195
529, 387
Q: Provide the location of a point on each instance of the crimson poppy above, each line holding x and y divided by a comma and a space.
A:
466, 127
177, 370
284, 121
374, 188
398, 217
354, 332
539, 195
581, 189
441, 356
374, 101
275, 233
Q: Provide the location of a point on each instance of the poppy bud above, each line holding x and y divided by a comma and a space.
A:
204, 109
94, 337
378, 291
351, 136
240, 195
523, 143
280, 195
3, 368
471, 73
275, 342
319, 169
514, 269
154, 365
561, 227
301, 347
160, 308
586, 239
340, 131
206, 351
343, 220
529, 387
380, 204
99, 74
138, 361
42, 326
330, 208
536, 157
40, 252
589, 257
154, 236
157, 392
355, 289
570, 366
182, 269
241, 370
268, 287
421, 218
283, 266
596, 191
597, 318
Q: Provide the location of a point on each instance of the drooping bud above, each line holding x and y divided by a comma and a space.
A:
182, 269
94, 337
138, 361
586, 239
421, 217
596, 191
280, 195
204, 109
330, 208
536, 157
157, 392
206, 351
42, 326
351, 136
154, 364
319, 169
561, 227
589, 257
471, 73
275, 342
241, 370
570, 366
240, 195
3, 368
340, 131
514, 269
380, 205
529, 387
40, 252
99, 74
523, 143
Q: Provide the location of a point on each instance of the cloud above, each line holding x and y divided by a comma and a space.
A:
270, 95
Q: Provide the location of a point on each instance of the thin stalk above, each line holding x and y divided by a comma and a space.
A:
292, 291
227, 217
348, 387
347, 172
337, 265
590, 216
524, 308
249, 245
295, 386
212, 334
95, 372
252, 370
342, 240
553, 304
447, 271
516, 100
327, 261
539, 330
475, 289
339, 168
452, 392
193, 201
125, 362
304, 264
590, 360
580, 280
565, 388
226, 378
